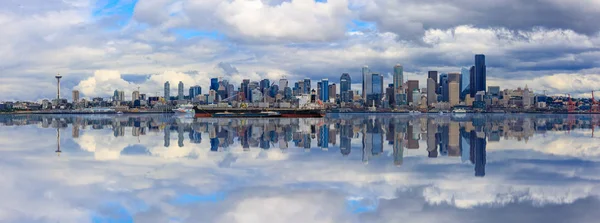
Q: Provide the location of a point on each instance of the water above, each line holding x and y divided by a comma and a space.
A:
343, 168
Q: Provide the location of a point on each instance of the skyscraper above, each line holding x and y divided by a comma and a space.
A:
135, 95
398, 78
345, 86
431, 89
75, 94
478, 82
366, 83
324, 96
283, 83
465, 83
433, 75
454, 95
245, 88
180, 91
307, 86
332, 91
411, 86
443, 87
195, 91
264, 85
377, 84
167, 91
214, 84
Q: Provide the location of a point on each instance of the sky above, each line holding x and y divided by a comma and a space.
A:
102, 45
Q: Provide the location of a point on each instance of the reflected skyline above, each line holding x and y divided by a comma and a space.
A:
347, 168
461, 138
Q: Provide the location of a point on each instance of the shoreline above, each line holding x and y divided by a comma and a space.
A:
328, 112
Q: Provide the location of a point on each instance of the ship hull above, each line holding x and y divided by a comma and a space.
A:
285, 113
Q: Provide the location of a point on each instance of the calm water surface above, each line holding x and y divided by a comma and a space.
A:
343, 168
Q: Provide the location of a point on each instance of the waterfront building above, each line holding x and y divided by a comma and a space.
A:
195, 91
167, 91
332, 91
367, 82
431, 89
444, 87
283, 83
75, 96
214, 84
411, 86
180, 95
398, 78
465, 83
345, 87
454, 95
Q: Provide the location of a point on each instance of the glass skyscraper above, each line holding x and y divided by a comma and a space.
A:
398, 78
214, 84
478, 82
167, 91
324, 96
367, 82
377, 84
465, 83
345, 86
195, 91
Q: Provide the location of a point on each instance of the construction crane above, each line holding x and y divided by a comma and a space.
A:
595, 106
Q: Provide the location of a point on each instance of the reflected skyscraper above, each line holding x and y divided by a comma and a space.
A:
167, 137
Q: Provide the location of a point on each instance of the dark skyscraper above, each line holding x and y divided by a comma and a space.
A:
434, 75
479, 75
472, 89
214, 84
307, 86
345, 86
264, 85
465, 83
411, 86
444, 87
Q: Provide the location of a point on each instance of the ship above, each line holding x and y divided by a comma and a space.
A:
264, 114
184, 109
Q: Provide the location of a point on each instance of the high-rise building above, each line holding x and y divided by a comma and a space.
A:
431, 89
454, 77
443, 87
332, 91
434, 75
121, 95
167, 91
478, 76
367, 81
307, 86
345, 87
195, 91
411, 86
377, 84
245, 88
454, 95
283, 83
214, 84
465, 83
324, 85
264, 85
180, 95
75, 94
135, 95
398, 78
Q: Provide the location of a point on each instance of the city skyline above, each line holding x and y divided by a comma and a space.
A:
116, 44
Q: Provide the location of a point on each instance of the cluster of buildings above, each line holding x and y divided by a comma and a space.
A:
443, 91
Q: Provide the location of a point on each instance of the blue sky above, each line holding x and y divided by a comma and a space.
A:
549, 46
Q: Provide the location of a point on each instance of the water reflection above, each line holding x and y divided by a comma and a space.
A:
464, 138
345, 168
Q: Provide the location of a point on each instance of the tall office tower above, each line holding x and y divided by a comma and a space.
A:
195, 91
167, 91
480, 73
58, 77
307, 86
367, 81
324, 96
180, 91
377, 84
411, 86
135, 95
319, 89
345, 86
264, 85
115, 95
443, 87
244, 88
465, 83
434, 75
121, 95
454, 77
301, 87
283, 83
454, 95
431, 89
75, 94
398, 79
332, 91
214, 84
